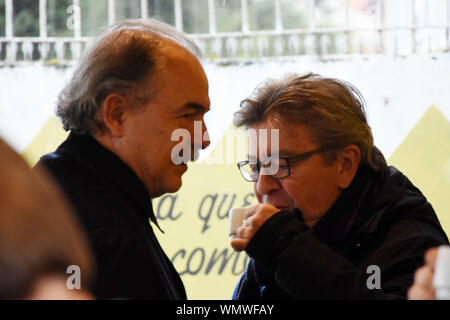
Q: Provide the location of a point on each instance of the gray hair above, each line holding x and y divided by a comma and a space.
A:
333, 109
118, 60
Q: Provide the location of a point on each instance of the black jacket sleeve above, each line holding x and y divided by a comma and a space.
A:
306, 268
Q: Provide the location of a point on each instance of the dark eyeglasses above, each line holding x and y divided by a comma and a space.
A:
251, 169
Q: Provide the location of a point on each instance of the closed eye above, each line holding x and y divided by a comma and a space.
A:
192, 110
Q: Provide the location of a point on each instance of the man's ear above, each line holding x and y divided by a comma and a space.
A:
114, 111
348, 159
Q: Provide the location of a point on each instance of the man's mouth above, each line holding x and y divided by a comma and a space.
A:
183, 167
194, 153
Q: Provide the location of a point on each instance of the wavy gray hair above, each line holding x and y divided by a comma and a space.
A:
119, 60
333, 109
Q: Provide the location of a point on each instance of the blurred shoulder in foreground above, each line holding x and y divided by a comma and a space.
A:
40, 239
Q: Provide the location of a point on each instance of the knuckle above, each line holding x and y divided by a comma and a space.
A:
411, 292
418, 274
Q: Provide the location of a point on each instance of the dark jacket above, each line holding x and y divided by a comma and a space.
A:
380, 220
114, 207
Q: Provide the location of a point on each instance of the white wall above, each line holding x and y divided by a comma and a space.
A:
398, 91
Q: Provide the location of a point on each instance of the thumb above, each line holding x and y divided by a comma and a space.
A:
239, 244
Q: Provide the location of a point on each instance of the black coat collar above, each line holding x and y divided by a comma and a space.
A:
91, 153
350, 209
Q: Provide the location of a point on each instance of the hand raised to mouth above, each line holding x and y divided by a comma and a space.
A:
256, 216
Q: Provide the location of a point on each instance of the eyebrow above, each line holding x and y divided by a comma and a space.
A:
281, 153
196, 107
285, 153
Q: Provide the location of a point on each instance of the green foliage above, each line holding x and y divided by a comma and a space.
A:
195, 16
162, 10
94, 16
294, 14
261, 16
127, 9
2, 18
26, 18
228, 15
58, 17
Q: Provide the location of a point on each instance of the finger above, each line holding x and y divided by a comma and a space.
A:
270, 207
424, 277
239, 244
417, 292
246, 232
251, 211
431, 256
240, 232
263, 213
252, 221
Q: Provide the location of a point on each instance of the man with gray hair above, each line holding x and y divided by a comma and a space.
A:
334, 221
138, 82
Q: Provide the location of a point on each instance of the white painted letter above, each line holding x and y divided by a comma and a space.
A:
374, 281
73, 281
184, 146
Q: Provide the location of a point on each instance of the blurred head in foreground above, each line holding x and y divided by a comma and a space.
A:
39, 237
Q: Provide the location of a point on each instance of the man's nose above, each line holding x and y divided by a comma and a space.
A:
201, 135
205, 137
266, 184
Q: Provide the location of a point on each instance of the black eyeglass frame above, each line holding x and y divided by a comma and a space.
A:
289, 160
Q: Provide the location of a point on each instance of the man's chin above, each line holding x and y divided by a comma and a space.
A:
176, 182
180, 170
176, 185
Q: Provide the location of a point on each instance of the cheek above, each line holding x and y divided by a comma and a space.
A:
291, 192
156, 153
314, 197
302, 189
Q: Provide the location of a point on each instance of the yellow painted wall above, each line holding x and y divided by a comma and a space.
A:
424, 156
47, 140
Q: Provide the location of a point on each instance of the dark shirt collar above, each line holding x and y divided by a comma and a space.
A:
348, 208
91, 153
